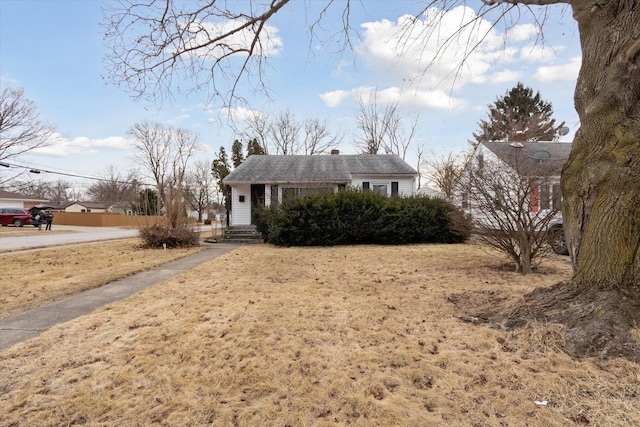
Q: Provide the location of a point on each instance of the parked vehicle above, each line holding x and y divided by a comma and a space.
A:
15, 216
34, 213
555, 237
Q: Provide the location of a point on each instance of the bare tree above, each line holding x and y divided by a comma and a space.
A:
419, 152
37, 189
511, 206
374, 122
113, 187
257, 128
284, 134
200, 187
445, 172
383, 126
61, 192
164, 153
21, 128
201, 44
317, 138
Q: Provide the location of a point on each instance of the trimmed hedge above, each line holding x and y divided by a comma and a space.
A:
361, 217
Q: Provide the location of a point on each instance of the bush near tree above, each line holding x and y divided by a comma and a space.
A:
361, 217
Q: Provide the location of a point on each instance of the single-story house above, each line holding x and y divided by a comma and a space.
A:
83, 207
15, 200
269, 179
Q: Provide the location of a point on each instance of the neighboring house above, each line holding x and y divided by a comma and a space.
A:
265, 179
121, 209
83, 207
428, 191
15, 200
540, 161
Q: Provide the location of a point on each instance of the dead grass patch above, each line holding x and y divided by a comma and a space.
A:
362, 336
31, 279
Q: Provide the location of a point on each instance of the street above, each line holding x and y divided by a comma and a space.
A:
66, 235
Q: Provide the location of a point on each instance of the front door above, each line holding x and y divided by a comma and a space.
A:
257, 197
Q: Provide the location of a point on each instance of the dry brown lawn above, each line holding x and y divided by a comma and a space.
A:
363, 336
30, 279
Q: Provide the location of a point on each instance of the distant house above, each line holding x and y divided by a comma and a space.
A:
265, 179
428, 191
83, 207
540, 161
121, 209
15, 200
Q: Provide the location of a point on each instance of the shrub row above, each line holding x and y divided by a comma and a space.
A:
361, 217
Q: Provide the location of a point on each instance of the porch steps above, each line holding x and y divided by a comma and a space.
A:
241, 234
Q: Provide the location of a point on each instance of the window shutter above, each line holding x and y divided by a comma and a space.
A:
394, 188
365, 185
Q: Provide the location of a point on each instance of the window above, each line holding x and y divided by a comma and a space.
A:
386, 188
557, 196
381, 188
544, 196
290, 192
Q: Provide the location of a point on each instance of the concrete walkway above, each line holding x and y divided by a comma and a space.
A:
29, 324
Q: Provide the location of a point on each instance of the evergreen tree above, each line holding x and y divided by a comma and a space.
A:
254, 147
518, 116
236, 153
220, 168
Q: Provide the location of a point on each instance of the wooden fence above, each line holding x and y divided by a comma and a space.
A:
104, 219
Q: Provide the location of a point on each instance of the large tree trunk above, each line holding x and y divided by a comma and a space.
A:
600, 307
601, 180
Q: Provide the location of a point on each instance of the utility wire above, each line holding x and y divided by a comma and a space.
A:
37, 170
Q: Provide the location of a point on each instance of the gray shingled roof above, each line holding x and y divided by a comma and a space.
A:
550, 156
336, 168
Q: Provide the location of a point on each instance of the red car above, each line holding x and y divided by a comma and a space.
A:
15, 216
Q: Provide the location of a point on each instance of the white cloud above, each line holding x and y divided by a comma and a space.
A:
505, 75
411, 99
568, 71
237, 114
334, 98
522, 32
270, 42
178, 119
341, 71
539, 53
428, 52
61, 146
443, 51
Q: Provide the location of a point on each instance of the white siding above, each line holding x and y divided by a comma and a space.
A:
406, 186
11, 204
241, 211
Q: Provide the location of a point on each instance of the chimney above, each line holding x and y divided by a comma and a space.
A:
335, 152
520, 137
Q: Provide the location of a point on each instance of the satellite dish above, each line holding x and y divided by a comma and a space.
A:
563, 131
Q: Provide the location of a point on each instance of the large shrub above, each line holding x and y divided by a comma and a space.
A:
157, 236
360, 217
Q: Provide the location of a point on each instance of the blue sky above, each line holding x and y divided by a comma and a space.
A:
54, 50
